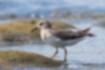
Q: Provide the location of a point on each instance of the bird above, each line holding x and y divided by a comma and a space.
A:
60, 38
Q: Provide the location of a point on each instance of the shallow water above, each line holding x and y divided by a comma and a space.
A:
89, 54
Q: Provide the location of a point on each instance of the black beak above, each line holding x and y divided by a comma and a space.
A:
34, 29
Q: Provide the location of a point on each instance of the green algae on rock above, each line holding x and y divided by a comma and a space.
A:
20, 57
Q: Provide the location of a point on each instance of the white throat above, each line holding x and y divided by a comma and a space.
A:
44, 33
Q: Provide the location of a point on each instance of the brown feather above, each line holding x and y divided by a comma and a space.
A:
67, 35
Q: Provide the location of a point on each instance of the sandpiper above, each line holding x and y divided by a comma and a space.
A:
61, 37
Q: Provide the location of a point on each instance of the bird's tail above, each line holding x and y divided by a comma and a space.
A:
87, 29
90, 35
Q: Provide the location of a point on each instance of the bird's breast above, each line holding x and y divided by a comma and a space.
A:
44, 34
48, 38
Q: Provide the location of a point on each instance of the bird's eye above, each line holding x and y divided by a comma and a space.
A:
41, 24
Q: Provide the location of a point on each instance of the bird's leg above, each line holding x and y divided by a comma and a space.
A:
55, 53
65, 56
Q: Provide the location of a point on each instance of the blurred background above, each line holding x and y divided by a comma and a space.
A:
18, 17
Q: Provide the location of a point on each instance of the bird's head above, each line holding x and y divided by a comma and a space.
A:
42, 25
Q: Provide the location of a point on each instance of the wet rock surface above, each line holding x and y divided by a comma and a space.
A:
21, 59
